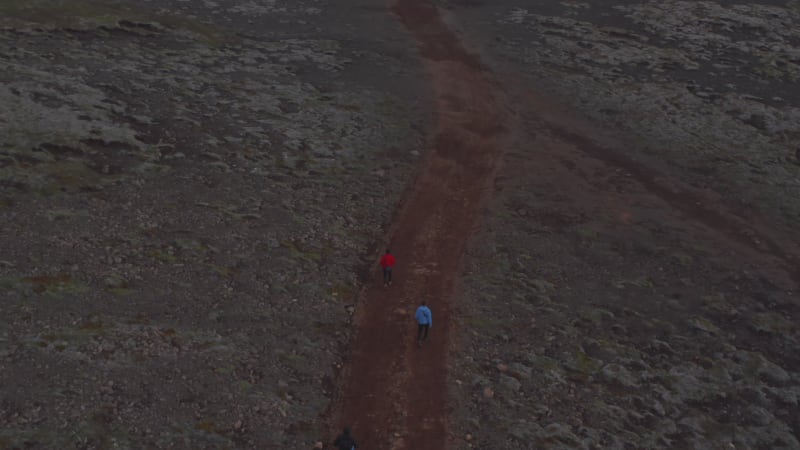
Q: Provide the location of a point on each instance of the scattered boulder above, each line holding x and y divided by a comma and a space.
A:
520, 371
509, 384
488, 392
561, 433
541, 285
618, 375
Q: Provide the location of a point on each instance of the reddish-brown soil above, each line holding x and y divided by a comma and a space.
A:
394, 394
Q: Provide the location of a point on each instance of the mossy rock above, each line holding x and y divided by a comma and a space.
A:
771, 323
682, 259
341, 291
481, 322
54, 285
162, 256
225, 271
583, 363
703, 324
299, 251
64, 213
640, 282
225, 370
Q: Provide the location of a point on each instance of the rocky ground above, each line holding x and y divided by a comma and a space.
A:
188, 193
707, 91
600, 310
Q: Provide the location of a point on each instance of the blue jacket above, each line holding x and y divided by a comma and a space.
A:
424, 316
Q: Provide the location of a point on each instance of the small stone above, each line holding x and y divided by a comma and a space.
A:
510, 383
502, 368
237, 425
520, 371
541, 411
617, 374
468, 437
760, 416
661, 347
542, 285
771, 372
702, 324
561, 432
488, 392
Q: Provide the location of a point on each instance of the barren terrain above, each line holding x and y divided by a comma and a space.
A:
598, 199
189, 193
635, 283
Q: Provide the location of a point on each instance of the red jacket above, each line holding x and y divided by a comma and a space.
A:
387, 260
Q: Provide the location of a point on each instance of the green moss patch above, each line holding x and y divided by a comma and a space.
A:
54, 285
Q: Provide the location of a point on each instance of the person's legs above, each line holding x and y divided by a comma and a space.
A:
422, 333
389, 275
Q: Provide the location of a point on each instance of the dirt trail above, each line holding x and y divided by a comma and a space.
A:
394, 394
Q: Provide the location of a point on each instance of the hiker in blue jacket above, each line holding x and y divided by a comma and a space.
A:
424, 322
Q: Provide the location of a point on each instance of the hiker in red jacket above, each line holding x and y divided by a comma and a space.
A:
387, 262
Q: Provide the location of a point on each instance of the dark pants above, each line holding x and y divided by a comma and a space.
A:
387, 275
422, 331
